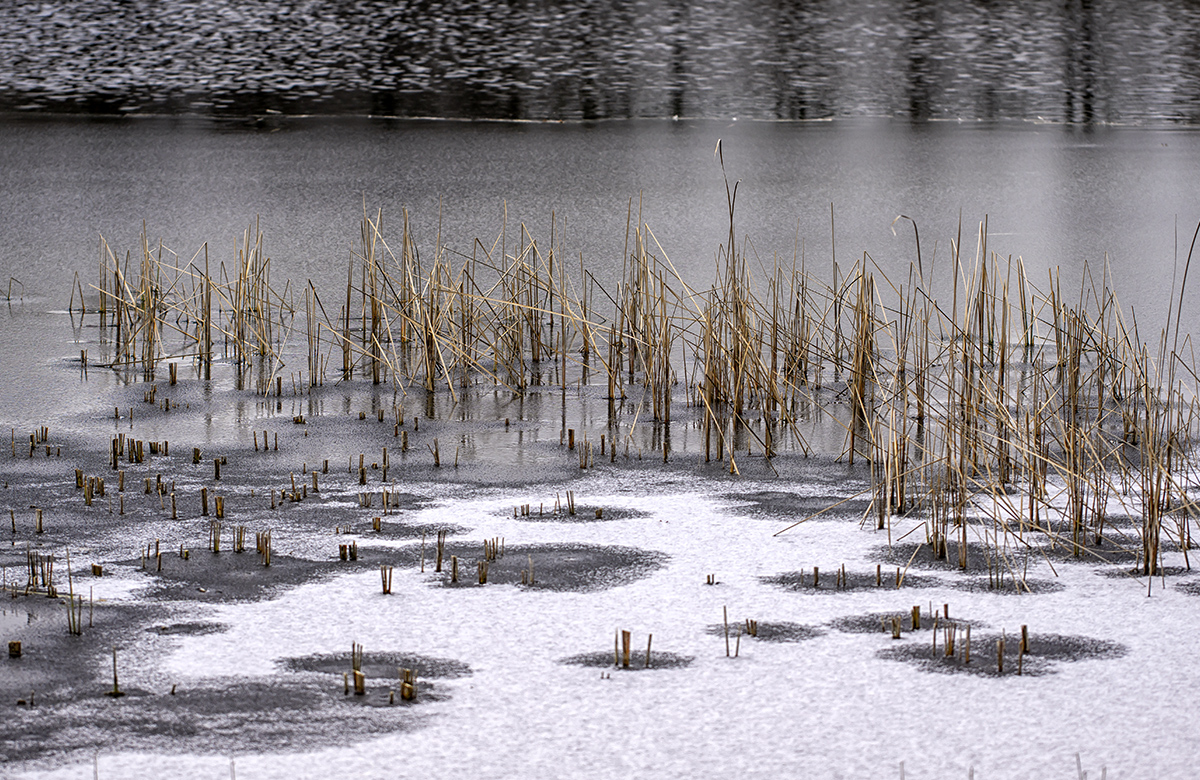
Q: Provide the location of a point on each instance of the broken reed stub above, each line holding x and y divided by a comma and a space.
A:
408, 684
116, 691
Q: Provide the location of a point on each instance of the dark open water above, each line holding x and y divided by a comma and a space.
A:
1066, 61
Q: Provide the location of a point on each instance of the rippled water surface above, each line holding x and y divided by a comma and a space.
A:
1079, 61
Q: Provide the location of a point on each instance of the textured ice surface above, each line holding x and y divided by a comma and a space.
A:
828, 706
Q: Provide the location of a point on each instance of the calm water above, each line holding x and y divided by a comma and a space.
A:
1057, 197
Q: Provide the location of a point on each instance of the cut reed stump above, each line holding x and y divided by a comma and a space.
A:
360, 680
408, 684
263, 545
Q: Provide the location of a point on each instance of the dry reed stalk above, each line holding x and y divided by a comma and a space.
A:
509, 310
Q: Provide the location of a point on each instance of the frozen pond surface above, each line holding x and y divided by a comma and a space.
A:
828, 706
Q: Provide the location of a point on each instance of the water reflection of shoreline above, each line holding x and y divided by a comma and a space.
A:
1078, 62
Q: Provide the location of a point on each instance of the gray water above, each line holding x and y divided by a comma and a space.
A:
1117, 201
1057, 197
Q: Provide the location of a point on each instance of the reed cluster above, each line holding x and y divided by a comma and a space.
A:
1007, 413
